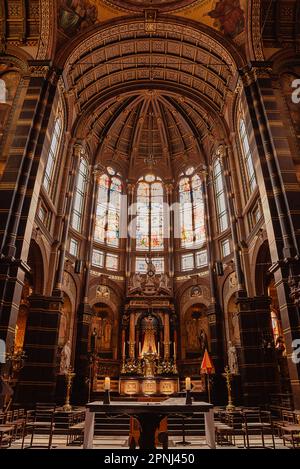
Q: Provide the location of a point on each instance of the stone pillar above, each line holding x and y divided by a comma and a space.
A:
166, 337
132, 335
258, 368
37, 380
82, 358
78, 151
277, 184
19, 191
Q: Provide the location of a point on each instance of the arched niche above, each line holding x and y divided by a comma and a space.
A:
33, 284
103, 330
196, 332
66, 322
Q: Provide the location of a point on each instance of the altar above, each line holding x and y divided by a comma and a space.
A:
149, 415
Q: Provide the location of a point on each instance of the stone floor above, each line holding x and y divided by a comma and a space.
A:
59, 442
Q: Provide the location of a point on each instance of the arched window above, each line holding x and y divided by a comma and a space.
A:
248, 160
3, 92
79, 195
221, 206
150, 214
107, 228
52, 156
192, 219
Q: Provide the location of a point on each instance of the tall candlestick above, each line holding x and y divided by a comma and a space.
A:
140, 349
124, 346
107, 384
174, 347
188, 384
158, 349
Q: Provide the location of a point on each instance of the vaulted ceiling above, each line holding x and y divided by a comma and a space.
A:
141, 95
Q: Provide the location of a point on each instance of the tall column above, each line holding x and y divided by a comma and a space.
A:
169, 232
167, 337
132, 335
84, 311
214, 309
222, 153
78, 151
277, 184
19, 191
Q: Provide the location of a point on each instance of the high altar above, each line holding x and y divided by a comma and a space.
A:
149, 337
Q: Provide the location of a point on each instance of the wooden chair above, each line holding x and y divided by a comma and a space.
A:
258, 423
6, 436
40, 420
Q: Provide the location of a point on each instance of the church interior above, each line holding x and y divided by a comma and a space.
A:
149, 223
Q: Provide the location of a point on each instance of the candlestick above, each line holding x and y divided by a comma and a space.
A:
140, 349
124, 349
188, 384
107, 384
158, 349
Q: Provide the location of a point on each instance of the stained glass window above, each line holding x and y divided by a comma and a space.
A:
141, 265
192, 219
221, 205
52, 156
107, 227
187, 262
201, 259
226, 248
73, 247
79, 196
150, 214
112, 262
251, 177
98, 258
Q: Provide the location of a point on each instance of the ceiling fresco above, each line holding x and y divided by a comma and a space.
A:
226, 16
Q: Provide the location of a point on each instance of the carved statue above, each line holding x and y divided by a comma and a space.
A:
65, 358
93, 340
203, 340
151, 269
136, 282
235, 327
164, 282
233, 359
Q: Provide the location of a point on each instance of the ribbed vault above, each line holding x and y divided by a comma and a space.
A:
140, 95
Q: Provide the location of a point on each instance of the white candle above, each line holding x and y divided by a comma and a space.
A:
188, 384
107, 384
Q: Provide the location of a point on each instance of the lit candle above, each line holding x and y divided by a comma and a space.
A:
107, 384
188, 384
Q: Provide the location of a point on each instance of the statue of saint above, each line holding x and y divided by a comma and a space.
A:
65, 358
233, 359
136, 282
106, 337
203, 340
93, 340
164, 282
151, 269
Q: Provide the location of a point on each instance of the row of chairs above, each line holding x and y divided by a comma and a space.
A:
245, 423
19, 424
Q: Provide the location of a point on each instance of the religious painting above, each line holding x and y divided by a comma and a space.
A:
101, 328
229, 17
76, 15
197, 330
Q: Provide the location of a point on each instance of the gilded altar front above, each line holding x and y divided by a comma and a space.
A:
148, 386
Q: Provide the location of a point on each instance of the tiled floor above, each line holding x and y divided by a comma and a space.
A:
59, 442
